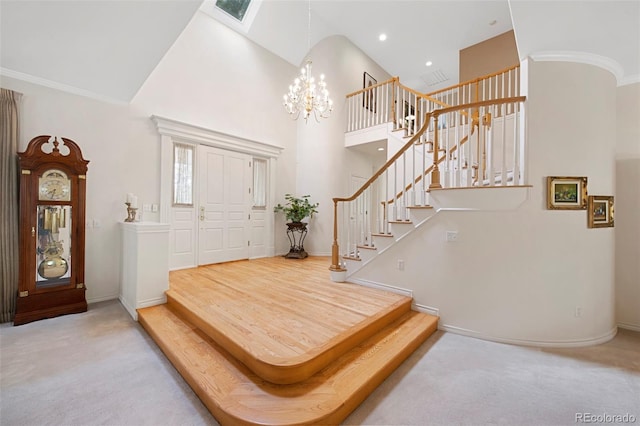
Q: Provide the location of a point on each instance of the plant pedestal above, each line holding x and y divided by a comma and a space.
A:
296, 231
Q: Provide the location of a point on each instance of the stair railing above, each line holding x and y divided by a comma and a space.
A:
388, 102
392, 102
501, 84
471, 145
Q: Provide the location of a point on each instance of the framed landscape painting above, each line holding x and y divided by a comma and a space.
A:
600, 211
566, 193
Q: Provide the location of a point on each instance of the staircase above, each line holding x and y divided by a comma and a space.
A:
467, 136
290, 351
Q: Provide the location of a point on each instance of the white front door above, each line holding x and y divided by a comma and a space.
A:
224, 205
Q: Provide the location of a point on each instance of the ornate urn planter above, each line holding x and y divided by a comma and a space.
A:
296, 231
295, 210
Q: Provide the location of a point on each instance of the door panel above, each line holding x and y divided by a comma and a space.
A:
224, 205
182, 238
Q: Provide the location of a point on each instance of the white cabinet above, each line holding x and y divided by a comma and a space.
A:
145, 265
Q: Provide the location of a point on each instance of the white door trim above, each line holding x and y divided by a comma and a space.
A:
175, 131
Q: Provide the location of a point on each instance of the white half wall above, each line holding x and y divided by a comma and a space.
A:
627, 207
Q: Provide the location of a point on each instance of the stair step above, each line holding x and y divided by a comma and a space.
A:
366, 247
403, 222
235, 395
382, 235
351, 257
261, 355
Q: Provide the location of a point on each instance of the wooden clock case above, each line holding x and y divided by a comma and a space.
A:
39, 297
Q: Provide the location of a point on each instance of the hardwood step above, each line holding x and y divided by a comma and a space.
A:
262, 345
235, 395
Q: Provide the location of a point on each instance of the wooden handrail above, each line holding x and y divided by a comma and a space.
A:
429, 169
335, 249
415, 137
474, 105
422, 95
373, 86
408, 89
388, 163
475, 80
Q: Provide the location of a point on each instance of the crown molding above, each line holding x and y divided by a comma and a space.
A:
630, 79
5, 72
603, 62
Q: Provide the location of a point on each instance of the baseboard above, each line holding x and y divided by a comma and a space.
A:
536, 343
132, 311
160, 300
380, 286
425, 309
627, 326
101, 299
319, 254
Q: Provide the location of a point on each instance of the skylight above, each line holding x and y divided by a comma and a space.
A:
235, 8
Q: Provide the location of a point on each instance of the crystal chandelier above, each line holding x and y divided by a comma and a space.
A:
305, 95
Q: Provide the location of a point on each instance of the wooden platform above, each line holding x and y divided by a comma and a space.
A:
274, 341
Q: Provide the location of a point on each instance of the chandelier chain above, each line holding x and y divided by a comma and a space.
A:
309, 27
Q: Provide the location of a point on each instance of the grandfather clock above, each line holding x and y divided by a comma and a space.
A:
52, 216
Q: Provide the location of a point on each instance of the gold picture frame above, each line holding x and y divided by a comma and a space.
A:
566, 193
600, 211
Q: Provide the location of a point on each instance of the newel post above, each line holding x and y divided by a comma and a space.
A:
335, 249
435, 174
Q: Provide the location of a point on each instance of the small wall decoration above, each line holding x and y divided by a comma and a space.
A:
566, 193
369, 96
600, 211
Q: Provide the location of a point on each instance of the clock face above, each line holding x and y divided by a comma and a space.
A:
54, 185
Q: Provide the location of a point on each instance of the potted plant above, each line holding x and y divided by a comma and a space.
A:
295, 210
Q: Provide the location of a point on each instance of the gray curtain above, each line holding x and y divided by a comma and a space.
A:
8, 202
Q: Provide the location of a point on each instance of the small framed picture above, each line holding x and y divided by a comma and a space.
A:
566, 193
600, 211
369, 94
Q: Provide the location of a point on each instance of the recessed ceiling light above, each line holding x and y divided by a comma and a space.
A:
382, 37
381, 149
429, 63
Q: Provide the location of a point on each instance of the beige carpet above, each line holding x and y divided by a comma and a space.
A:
100, 368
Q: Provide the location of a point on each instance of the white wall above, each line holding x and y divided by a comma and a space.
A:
212, 77
520, 275
324, 165
627, 207
101, 131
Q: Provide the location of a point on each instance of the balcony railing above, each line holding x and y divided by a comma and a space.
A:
392, 102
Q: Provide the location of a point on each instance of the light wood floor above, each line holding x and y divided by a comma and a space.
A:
283, 318
275, 342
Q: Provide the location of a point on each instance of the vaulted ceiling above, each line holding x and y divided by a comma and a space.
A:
107, 48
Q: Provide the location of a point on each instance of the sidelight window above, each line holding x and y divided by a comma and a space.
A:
183, 156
